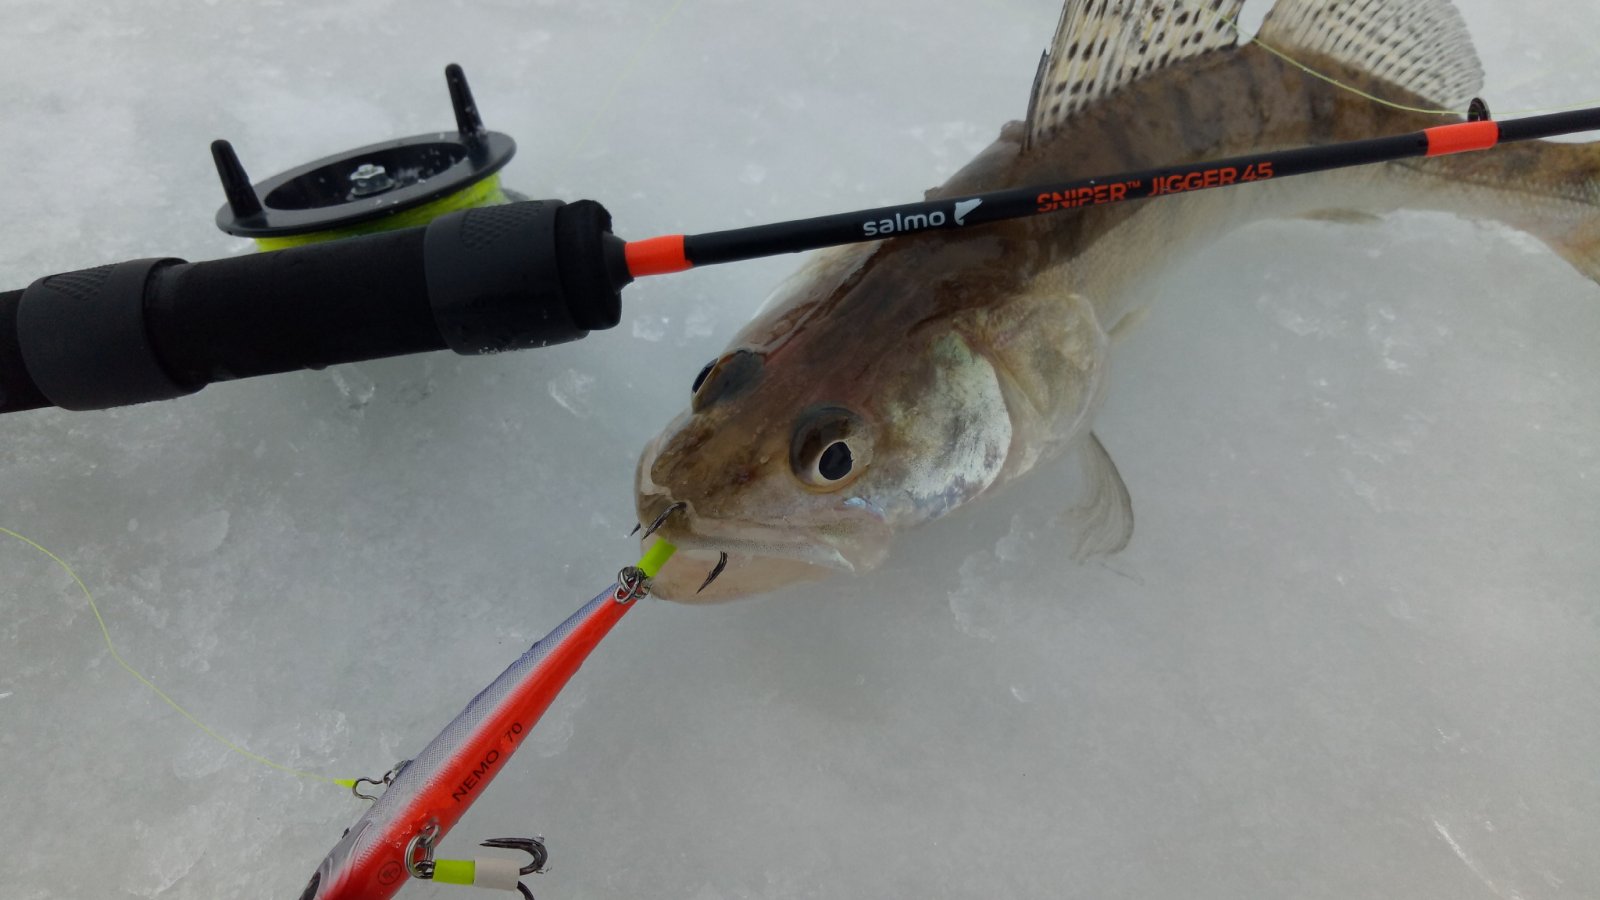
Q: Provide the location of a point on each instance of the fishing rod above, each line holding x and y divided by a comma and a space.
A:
676, 253
354, 274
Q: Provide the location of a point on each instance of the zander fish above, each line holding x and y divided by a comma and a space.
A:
889, 383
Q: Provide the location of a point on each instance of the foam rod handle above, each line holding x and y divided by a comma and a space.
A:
300, 308
18, 392
526, 274
154, 329
82, 338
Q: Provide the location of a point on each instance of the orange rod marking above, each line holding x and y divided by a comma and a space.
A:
656, 256
1462, 137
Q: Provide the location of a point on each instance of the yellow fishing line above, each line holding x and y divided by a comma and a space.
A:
106, 634
1322, 76
1343, 86
1325, 77
621, 78
1337, 83
651, 563
485, 193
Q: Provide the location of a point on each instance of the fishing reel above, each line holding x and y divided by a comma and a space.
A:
393, 248
379, 187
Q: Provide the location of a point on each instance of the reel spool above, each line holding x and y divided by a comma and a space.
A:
379, 187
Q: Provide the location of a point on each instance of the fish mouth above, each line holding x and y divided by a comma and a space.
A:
760, 557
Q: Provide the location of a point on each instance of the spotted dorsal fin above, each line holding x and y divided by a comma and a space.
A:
1103, 45
1420, 46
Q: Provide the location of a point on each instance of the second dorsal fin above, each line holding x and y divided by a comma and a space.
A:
1420, 46
1103, 45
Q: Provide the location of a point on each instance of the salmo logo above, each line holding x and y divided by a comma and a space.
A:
903, 223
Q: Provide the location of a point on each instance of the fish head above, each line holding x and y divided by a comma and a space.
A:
831, 422
779, 479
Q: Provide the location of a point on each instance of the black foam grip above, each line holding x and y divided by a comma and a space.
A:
494, 276
526, 274
18, 391
304, 308
82, 336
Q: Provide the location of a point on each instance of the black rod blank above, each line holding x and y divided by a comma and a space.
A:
662, 255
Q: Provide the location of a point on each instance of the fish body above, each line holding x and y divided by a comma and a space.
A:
890, 383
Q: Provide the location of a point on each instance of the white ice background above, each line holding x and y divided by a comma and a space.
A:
1352, 651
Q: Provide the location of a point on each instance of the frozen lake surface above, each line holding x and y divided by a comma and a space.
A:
1352, 650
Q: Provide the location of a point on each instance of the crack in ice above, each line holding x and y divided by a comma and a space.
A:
1472, 866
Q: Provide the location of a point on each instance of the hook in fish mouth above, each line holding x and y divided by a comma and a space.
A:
660, 520
722, 563
722, 556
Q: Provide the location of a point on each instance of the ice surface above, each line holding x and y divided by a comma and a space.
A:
1352, 650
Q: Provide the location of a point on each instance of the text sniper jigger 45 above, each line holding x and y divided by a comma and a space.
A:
410, 246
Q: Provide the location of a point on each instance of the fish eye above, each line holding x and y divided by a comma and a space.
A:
831, 447
835, 461
701, 378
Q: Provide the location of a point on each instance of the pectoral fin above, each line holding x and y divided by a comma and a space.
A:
1105, 522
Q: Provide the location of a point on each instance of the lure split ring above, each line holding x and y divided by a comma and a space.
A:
422, 867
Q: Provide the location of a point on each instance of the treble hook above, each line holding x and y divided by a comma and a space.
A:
722, 563
662, 519
659, 519
534, 847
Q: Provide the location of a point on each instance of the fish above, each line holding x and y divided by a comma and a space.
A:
891, 383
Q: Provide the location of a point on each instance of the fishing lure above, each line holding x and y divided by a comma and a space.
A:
425, 797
